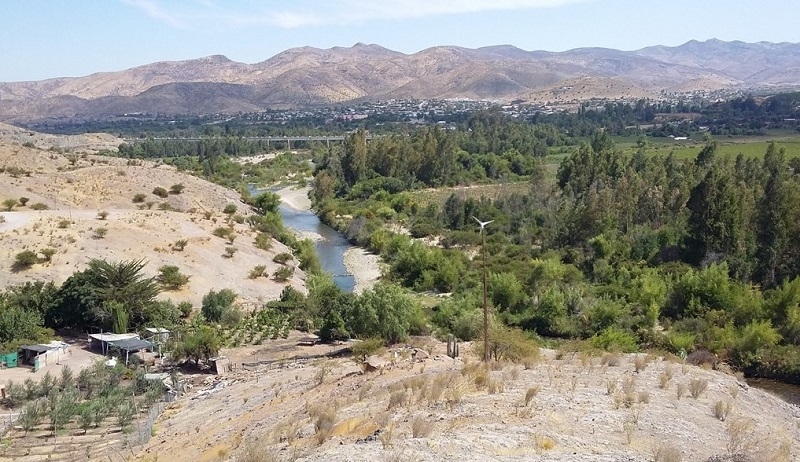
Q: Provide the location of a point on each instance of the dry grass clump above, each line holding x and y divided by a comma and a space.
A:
253, 451
665, 452
665, 376
611, 359
640, 362
496, 386
397, 399
531, 393
721, 410
680, 389
611, 386
697, 387
421, 428
386, 436
324, 418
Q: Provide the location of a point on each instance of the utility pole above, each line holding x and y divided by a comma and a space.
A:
485, 305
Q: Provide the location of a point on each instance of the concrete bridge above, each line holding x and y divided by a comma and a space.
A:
269, 139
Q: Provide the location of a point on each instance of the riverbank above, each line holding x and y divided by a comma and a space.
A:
365, 267
295, 197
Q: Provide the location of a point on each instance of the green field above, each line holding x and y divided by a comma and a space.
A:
750, 146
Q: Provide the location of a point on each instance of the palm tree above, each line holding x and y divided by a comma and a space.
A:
123, 283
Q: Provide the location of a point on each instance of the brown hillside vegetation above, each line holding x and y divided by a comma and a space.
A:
424, 406
75, 187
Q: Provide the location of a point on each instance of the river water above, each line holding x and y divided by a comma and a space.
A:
786, 391
331, 247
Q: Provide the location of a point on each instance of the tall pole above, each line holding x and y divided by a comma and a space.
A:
485, 307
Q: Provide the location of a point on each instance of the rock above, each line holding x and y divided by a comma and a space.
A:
373, 363
421, 354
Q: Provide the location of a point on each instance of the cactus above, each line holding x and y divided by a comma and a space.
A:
452, 347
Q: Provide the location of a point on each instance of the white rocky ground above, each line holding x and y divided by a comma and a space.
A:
576, 415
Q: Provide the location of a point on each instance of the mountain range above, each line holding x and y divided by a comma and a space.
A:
310, 76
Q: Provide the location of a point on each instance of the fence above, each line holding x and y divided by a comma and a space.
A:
143, 429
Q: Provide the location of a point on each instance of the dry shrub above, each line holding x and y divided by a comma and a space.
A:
742, 442
531, 393
611, 386
386, 436
640, 363
496, 386
529, 362
665, 452
544, 443
397, 398
680, 389
323, 424
703, 358
721, 410
697, 387
421, 428
455, 392
254, 451
364, 391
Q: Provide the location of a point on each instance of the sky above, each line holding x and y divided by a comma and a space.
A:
42, 39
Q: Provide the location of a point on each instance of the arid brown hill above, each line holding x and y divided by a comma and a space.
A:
310, 76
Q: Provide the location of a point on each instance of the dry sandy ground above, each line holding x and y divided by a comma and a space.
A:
575, 416
76, 188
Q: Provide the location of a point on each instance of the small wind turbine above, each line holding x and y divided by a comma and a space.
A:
482, 223
485, 308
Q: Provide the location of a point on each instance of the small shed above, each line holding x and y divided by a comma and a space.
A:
157, 335
130, 345
103, 340
220, 365
309, 340
42, 354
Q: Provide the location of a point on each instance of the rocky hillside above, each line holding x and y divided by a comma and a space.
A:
67, 187
309, 76
421, 405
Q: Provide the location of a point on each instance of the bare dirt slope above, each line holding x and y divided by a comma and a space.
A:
435, 408
76, 185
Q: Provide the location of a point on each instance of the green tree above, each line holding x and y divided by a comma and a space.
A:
215, 304
123, 283
9, 204
25, 260
200, 344
385, 311
171, 278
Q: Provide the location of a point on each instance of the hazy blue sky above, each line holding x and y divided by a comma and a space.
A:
41, 39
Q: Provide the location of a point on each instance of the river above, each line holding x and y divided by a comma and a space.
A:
331, 247
786, 391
